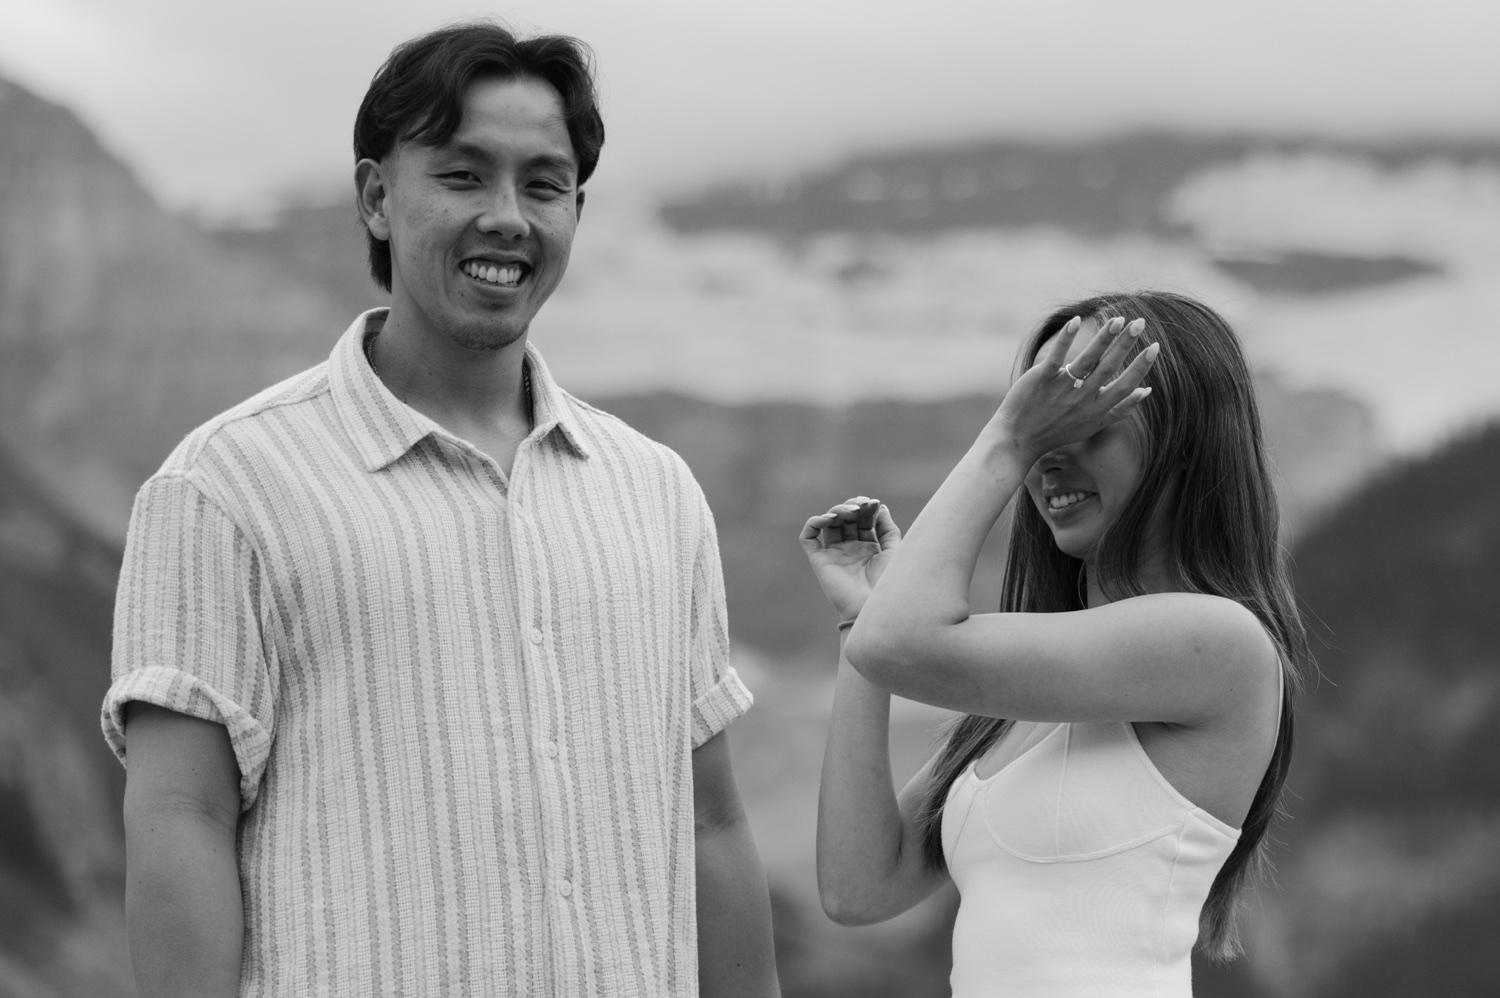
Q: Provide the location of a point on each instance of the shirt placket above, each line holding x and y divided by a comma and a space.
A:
560, 819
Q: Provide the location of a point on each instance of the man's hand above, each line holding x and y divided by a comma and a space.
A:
182, 886
736, 958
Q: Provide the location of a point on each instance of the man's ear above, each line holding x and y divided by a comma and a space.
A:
369, 191
578, 205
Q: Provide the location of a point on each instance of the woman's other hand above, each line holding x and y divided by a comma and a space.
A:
849, 546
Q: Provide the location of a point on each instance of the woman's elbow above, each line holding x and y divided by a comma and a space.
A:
847, 910
877, 652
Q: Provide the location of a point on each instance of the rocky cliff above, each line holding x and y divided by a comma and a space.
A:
61, 854
1390, 871
120, 325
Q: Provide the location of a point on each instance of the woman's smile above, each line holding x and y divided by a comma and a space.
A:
1064, 502
1069, 510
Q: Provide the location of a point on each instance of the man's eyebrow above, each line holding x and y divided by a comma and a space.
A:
554, 162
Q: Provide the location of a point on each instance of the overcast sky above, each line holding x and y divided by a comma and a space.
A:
220, 106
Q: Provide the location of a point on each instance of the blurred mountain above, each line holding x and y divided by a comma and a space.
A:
767, 467
1308, 273
1390, 873
121, 327
61, 853
322, 244
1098, 188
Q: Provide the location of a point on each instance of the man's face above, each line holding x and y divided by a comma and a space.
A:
480, 228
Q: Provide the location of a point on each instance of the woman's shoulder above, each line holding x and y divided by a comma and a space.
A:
1208, 625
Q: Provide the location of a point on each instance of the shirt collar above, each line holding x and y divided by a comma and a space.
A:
384, 428
551, 407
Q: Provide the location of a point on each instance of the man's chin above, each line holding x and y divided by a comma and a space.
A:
486, 337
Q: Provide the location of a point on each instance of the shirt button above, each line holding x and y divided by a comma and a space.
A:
550, 750
536, 635
564, 888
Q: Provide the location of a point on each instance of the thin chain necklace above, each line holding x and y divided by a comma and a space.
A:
525, 376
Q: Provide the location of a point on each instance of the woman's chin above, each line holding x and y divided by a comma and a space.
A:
1072, 545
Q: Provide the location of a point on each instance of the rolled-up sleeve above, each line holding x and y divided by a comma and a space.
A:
188, 625
718, 694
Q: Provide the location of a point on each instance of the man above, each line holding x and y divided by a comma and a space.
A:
420, 663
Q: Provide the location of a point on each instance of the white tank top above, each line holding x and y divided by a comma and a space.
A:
1082, 871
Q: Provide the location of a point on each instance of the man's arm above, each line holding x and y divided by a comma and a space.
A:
182, 886
735, 952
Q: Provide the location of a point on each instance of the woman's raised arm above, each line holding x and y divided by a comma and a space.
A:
1161, 657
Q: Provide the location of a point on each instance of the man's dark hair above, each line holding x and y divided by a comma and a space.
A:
418, 96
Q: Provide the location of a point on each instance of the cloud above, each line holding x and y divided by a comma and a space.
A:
215, 103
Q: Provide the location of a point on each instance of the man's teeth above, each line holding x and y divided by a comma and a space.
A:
1067, 499
504, 274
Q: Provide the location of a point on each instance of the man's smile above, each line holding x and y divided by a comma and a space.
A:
505, 275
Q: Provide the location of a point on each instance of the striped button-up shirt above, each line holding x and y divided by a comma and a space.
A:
463, 704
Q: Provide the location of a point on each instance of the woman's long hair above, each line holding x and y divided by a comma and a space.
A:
1202, 441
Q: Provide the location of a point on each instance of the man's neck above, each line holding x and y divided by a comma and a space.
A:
479, 395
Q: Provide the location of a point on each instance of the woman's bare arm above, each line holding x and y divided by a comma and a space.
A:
870, 863
870, 859
1180, 658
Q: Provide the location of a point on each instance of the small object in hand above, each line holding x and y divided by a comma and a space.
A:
1068, 370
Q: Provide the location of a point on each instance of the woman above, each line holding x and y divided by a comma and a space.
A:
1142, 660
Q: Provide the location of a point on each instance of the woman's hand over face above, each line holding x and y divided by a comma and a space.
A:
1059, 402
849, 546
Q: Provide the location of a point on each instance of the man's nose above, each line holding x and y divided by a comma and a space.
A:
503, 215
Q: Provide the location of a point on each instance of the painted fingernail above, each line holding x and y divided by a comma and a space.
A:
1137, 326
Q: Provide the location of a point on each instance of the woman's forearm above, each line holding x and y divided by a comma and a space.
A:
926, 585
870, 861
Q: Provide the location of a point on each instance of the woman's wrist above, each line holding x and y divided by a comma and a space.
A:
848, 609
998, 446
